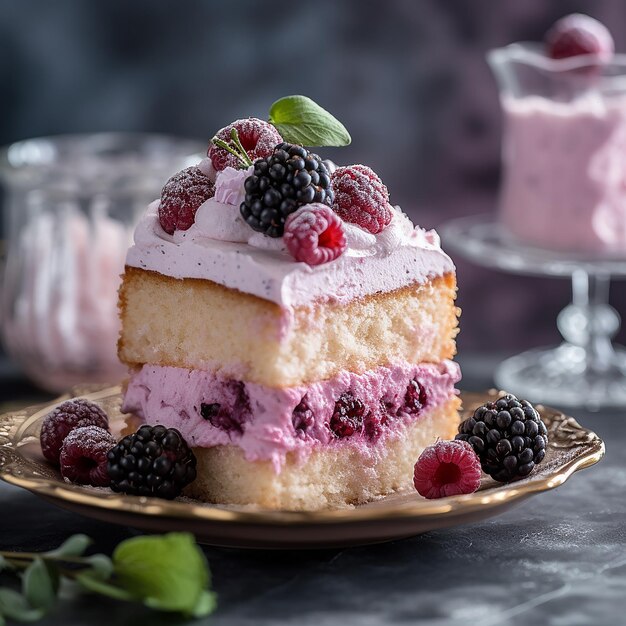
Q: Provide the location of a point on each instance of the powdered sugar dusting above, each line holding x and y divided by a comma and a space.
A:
361, 198
181, 197
257, 137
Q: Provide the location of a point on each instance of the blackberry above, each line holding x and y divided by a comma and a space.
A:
154, 461
281, 183
508, 436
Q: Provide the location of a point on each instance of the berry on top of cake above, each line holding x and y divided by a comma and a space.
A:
295, 327
290, 177
181, 198
254, 139
361, 198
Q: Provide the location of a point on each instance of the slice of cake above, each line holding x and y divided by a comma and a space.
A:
291, 324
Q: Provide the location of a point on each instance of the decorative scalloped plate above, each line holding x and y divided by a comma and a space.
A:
571, 448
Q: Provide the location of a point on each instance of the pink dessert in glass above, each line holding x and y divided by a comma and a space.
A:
564, 144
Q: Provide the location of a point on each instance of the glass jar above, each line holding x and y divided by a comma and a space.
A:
71, 203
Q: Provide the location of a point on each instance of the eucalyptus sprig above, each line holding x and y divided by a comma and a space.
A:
167, 573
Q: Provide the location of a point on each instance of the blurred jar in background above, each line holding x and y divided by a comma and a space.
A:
71, 203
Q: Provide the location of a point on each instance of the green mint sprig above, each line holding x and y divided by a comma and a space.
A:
300, 120
166, 573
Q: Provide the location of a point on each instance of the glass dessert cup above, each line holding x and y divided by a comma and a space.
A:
562, 213
587, 369
564, 139
71, 203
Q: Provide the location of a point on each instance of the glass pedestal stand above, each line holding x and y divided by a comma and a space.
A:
587, 368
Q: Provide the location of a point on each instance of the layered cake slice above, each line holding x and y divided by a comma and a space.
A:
296, 328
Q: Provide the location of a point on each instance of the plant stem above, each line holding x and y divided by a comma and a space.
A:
236, 150
29, 556
234, 135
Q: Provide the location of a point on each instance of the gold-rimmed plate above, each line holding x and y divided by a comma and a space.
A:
571, 448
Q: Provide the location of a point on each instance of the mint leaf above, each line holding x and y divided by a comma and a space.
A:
300, 120
74, 546
40, 584
167, 572
14, 606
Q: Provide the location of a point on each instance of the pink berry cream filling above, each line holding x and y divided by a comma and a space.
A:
267, 423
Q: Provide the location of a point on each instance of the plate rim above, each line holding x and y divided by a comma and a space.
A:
11, 423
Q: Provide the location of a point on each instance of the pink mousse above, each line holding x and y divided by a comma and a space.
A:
260, 419
564, 186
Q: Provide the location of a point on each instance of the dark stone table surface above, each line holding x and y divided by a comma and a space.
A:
558, 558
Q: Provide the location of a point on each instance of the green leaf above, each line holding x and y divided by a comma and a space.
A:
4, 564
101, 566
207, 603
74, 546
92, 583
40, 583
2, 620
300, 120
167, 572
14, 606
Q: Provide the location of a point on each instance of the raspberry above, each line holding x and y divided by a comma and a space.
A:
65, 418
302, 418
281, 183
579, 34
83, 456
154, 461
448, 468
361, 198
415, 398
257, 137
375, 421
181, 197
314, 234
347, 418
508, 436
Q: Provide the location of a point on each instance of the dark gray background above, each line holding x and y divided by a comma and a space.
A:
407, 77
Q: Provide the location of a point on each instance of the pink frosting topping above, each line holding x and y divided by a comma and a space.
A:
260, 418
220, 247
229, 185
